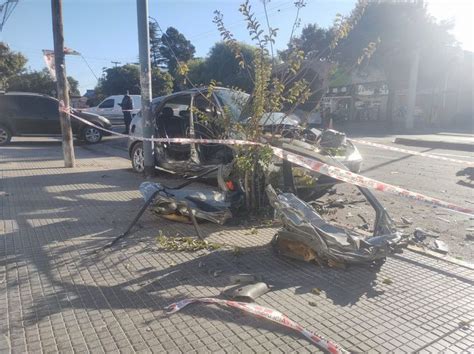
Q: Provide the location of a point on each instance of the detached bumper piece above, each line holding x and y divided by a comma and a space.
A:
307, 236
204, 205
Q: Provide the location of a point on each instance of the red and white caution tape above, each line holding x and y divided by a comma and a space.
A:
366, 182
311, 164
411, 152
265, 313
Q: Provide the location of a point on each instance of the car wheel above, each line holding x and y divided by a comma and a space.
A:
91, 135
5, 135
138, 158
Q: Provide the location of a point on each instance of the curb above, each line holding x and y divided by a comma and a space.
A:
439, 256
436, 144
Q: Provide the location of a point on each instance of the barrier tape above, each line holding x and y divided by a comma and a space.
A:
411, 152
308, 163
265, 313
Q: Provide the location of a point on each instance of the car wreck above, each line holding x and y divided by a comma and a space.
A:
203, 114
306, 235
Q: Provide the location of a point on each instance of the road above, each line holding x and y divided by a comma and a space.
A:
447, 181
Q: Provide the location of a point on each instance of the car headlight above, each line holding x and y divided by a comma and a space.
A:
354, 156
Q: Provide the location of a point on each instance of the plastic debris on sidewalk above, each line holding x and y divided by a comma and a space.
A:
306, 235
265, 313
207, 205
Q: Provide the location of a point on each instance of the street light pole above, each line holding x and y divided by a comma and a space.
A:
145, 84
62, 85
409, 123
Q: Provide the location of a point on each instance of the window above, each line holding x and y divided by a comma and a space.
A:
234, 101
36, 107
107, 103
46, 107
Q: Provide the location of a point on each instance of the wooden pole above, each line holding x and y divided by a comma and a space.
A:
61, 80
145, 84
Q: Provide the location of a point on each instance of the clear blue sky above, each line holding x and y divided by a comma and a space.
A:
106, 30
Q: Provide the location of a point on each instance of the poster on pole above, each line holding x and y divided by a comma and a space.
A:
48, 56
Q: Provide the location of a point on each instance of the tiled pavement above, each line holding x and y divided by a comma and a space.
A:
58, 295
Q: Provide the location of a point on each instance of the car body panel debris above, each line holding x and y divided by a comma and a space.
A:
331, 243
248, 292
440, 247
204, 204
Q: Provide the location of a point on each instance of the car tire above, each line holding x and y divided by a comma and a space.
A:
138, 158
5, 135
91, 135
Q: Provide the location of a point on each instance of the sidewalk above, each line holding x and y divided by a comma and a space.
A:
450, 141
58, 294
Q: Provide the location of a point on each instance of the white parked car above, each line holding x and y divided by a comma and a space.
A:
110, 108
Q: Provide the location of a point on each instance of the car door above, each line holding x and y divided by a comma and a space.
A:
47, 110
29, 116
106, 108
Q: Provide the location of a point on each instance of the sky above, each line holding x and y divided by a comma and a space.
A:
106, 30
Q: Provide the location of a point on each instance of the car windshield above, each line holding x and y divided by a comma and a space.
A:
233, 100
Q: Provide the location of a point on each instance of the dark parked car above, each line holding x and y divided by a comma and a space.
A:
31, 114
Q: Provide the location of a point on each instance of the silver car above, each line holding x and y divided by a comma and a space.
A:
199, 113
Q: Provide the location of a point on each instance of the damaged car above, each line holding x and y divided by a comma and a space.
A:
306, 235
203, 114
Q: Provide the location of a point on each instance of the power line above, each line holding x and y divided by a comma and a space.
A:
7, 8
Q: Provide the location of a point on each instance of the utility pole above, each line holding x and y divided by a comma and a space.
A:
61, 80
116, 63
409, 123
145, 84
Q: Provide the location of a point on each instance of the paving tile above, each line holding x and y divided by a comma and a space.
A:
69, 298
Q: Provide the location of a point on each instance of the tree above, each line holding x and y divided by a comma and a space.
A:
157, 60
401, 28
314, 41
175, 48
276, 88
197, 72
223, 67
11, 63
73, 86
39, 82
120, 79
161, 82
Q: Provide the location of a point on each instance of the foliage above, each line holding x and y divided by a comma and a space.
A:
161, 82
278, 87
185, 244
268, 95
197, 71
117, 80
313, 41
157, 60
11, 63
120, 79
39, 82
223, 67
175, 48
